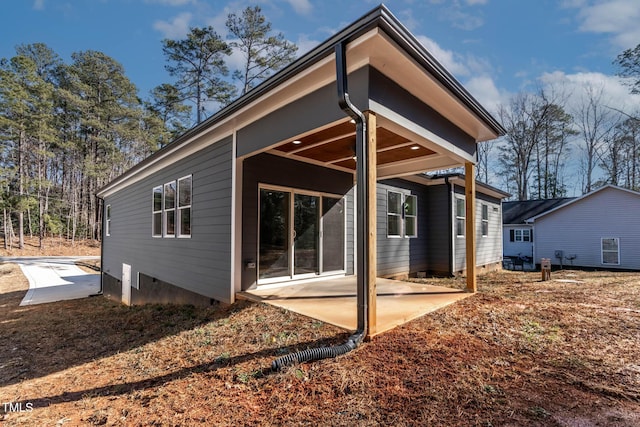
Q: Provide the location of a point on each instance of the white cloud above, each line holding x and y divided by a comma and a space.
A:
305, 44
38, 5
619, 18
484, 89
302, 7
452, 62
615, 92
177, 28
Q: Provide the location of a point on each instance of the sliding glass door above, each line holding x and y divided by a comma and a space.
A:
301, 234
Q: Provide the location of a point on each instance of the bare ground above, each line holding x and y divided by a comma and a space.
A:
520, 352
52, 246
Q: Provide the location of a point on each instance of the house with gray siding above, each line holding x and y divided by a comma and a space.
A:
266, 191
598, 230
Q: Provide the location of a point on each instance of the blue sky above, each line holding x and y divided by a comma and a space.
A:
494, 47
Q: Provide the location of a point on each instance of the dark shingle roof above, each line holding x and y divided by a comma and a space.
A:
518, 212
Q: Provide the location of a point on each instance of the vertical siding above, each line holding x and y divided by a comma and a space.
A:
578, 228
200, 264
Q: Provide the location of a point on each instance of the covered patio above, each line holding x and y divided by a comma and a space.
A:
334, 300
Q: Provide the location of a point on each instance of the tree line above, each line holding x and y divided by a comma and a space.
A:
67, 129
548, 127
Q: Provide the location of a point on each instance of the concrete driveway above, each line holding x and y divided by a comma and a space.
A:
55, 279
334, 300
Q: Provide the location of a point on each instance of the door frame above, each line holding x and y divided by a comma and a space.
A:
291, 276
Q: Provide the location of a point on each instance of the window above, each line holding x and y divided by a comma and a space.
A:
157, 212
402, 215
394, 214
611, 250
169, 209
485, 220
410, 216
184, 206
521, 235
460, 217
107, 226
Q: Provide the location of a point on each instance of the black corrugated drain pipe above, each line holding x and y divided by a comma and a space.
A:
361, 224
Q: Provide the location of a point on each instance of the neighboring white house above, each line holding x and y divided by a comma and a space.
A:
517, 233
599, 230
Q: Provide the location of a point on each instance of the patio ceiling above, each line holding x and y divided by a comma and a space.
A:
334, 147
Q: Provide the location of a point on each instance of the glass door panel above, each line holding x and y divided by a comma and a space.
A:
332, 234
274, 234
305, 234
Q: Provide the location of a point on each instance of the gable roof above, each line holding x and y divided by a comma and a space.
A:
518, 212
365, 36
577, 199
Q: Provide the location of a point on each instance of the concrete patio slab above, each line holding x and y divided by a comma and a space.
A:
334, 300
55, 279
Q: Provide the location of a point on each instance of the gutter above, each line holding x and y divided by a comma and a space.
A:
101, 209
450, 223
362, 227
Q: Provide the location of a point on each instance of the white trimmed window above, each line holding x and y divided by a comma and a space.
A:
610, 250
460, 217
402, 215
410, 216
485, 220
394, 214
107, 223
156, 228
169, 205
521, 235
184, 206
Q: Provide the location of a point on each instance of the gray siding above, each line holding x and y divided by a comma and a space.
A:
275, 170
309, 112
578, 228
401, 255
391, 95
439, 230
488, 248
202, 263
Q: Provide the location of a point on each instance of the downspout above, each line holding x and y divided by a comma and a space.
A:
101, 207
362, 227
450, 211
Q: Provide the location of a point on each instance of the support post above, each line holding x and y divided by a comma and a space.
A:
371, 220
470, 206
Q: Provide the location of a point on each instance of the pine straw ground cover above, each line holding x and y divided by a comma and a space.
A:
520, 352
51, 246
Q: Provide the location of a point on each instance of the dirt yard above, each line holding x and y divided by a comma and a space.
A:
520, 352
52, 246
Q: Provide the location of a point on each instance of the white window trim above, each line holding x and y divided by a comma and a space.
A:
179, 208
404, 201
602, 251
154, 212
397, 215
484, 220
107, 215
521, 232
165, 210
463, 218
402, 215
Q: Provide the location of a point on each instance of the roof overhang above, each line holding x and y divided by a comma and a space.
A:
405, 147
